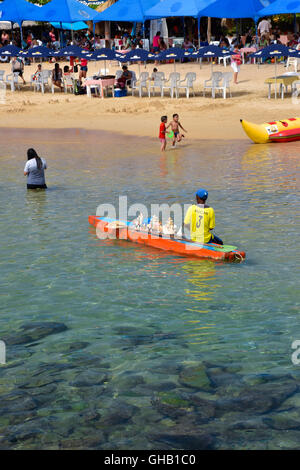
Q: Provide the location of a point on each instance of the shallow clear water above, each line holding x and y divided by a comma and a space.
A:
151, 339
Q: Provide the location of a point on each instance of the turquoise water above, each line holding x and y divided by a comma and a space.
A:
111, 345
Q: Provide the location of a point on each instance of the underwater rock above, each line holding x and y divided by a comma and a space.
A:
126, 380
282, 421
184, 439
259, 379
38, 382
24, 403
204, 410
242, 422
260, 399
168, 367
44, 391
159, 387
21, 417
89, 378
88, 360
84, 443
70, 347
248, 439
31, 332
171, 405
120, 413
195, 377
89, 416
220, 377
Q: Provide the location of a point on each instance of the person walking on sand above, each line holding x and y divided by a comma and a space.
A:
17, 66
35, 171
162, 133
236, 61
175, 125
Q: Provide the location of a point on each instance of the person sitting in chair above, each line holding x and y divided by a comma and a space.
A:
125, 78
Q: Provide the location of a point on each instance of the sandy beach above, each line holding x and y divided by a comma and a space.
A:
203, 117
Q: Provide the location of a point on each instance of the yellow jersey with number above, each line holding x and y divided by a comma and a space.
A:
201, 220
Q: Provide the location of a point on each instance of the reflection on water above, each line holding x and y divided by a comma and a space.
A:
114, 345
203, 279
265, 164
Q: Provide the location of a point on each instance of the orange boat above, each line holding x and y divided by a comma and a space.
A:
124, 231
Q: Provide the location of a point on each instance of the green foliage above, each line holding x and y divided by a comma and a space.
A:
39, 2
283, 22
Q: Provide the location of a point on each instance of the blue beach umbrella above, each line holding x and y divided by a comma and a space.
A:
210, 52
281, 7
275, 51
78, 26
74, 51
36, 52
138, 55
174, 53
64, 11
16, 11
9, 51
102, 54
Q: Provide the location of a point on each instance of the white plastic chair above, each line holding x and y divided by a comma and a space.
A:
292, 62
187, 84
12, 79
68, 82
35, 81
171, 84
158, 82
42, 81
100, 44
227, 77
141, 83
132, 81
118, 74
146, 44
2, 72
295, 89
2, 92
212, 83
284, 88
225, 58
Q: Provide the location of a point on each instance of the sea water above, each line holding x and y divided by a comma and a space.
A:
111, 345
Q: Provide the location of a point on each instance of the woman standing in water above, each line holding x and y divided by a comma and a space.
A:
34, 170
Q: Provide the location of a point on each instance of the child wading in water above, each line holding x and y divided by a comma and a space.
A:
175, 124
162, 133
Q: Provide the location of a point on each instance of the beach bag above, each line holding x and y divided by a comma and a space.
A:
75, 68
78, 89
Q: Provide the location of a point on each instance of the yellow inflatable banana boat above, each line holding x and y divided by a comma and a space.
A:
287, 130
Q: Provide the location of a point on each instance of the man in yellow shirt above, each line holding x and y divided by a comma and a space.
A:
200, 219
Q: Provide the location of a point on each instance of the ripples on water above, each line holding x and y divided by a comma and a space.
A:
150, 337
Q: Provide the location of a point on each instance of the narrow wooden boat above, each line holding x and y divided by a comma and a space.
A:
124, 231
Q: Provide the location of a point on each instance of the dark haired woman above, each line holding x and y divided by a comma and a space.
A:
34, 170
57, 76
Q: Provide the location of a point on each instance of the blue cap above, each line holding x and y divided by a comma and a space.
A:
202, 194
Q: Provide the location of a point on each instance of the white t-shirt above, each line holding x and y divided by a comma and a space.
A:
264, 26
34, 175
